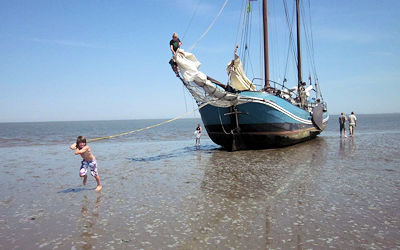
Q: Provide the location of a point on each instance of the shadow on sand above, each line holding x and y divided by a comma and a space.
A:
176, 153
74, 190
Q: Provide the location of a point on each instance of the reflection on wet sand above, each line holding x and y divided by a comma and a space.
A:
87, 221
238, 190
260, 173
352, 146
347, 147
342, 148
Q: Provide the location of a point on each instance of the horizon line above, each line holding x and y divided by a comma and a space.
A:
105, 120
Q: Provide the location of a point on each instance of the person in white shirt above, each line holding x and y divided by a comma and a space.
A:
197, 133
352, 123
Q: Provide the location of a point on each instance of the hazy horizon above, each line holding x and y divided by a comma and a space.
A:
186, 118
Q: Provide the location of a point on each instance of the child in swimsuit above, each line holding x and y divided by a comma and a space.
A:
88, 161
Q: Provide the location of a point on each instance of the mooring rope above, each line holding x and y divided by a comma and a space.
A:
149, 127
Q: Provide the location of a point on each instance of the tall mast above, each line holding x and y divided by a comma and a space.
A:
298, 44
266, 59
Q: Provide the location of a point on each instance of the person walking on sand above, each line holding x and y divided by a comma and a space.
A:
352, 123
88, 161
342, 123
197, 133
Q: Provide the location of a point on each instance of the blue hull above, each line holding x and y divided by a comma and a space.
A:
266, 121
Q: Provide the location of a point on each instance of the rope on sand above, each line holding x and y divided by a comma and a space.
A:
149, 127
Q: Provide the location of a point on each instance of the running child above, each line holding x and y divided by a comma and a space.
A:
88, 161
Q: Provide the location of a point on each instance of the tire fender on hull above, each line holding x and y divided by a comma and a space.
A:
317, 116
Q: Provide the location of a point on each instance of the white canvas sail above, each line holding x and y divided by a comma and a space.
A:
202, 89
237, 77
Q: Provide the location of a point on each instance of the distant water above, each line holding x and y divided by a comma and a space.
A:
43, 133
162, 192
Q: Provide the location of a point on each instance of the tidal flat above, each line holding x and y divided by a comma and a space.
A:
162, 192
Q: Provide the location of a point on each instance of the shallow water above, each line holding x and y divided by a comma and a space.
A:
162, 192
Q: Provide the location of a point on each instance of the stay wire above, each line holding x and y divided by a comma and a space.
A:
290, 42
184, 97
209, 27
191, 19
240, 23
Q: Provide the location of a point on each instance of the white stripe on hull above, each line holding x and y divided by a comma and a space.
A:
284, 111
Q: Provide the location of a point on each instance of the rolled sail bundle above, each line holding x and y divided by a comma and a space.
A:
237, 78
202, 89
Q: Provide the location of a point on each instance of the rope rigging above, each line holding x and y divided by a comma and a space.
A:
309, 40
305, 15
291, 46
148, 127
209, 27
244, 35
191, 19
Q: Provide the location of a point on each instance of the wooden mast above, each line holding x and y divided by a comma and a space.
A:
298, 46
266, 59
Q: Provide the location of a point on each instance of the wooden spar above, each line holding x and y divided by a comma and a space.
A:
265, 30
216, 82
299, 84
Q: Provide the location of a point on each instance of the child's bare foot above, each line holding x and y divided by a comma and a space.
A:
84, 180
98, 188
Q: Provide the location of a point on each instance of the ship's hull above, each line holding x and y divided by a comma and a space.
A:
265, 121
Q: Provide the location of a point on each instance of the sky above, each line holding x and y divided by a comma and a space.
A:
107, 60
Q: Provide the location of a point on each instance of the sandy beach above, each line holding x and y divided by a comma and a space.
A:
325, 193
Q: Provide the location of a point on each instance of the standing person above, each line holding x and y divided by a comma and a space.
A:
352, 123
174, 45
342, 123
88, 161
197, 133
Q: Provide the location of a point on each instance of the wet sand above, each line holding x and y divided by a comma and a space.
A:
326, 193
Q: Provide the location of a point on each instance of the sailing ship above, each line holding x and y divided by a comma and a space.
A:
237, 116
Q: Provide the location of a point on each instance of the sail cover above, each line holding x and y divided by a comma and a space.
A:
237, 77
196, 82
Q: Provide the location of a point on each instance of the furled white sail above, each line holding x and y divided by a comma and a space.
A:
202, 89
237, 77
